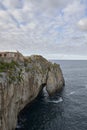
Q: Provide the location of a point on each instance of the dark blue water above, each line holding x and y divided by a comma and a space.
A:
64, 111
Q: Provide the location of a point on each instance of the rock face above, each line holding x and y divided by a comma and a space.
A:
21, 82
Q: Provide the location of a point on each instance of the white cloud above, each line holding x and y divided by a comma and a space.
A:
28, 26
82, 24
12, 4
74, 8
50, 4
65, 56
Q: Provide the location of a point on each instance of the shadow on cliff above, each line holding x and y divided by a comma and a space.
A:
28, 115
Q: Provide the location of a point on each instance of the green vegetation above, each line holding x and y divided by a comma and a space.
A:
35, 64
13, 71
1, 75
4, 66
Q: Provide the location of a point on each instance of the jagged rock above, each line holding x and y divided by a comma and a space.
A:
21, 82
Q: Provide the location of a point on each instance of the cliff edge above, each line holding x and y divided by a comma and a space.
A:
21, 80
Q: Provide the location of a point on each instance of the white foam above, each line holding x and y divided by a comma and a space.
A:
45, 92
56, 101
18, 127
71, 93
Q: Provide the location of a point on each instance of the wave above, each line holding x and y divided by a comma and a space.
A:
45, 92
18, 127
77, 91
56, 101
71, 93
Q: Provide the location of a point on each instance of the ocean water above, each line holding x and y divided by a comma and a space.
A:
64, 111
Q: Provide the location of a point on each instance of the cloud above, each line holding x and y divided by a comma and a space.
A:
75, 8
49, 6
50, 3
65, 56
82, 24
42, 26
13, 4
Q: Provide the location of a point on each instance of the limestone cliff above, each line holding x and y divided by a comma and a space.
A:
21, 82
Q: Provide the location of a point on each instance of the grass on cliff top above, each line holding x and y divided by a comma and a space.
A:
13, 70
4, 66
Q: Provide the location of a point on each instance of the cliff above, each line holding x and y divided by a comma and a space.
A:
21, 82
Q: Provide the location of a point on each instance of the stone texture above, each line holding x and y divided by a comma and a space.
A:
28, 79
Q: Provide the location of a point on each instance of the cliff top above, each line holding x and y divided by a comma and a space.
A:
12, 67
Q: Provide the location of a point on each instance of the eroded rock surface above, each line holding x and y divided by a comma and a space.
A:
21, 82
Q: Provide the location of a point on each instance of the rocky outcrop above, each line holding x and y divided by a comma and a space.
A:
21, 82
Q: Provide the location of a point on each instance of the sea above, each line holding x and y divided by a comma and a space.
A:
66, 110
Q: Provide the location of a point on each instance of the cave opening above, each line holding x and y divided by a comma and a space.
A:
32, 106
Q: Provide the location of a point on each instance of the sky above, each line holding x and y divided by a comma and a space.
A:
56, 29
